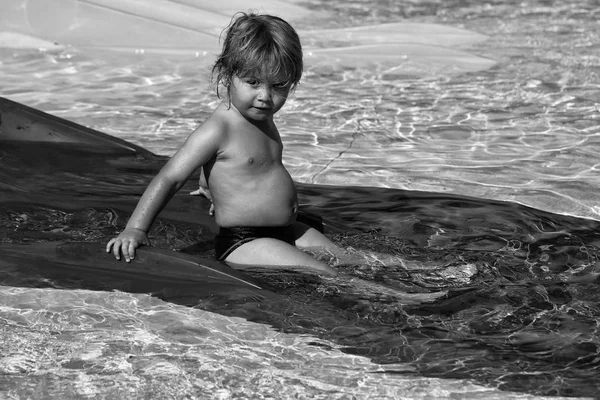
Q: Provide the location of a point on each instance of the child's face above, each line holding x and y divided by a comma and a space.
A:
256, 98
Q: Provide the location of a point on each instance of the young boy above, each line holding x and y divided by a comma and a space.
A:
239, 146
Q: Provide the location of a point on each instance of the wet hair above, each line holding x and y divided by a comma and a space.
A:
258, 45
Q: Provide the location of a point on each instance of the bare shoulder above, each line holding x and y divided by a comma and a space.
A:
214, 130
205, 143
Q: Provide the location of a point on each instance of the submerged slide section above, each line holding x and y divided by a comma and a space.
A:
153, 269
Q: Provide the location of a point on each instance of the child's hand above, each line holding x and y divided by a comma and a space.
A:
126, 243
202, 191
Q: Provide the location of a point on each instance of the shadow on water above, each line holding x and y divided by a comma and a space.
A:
494, 292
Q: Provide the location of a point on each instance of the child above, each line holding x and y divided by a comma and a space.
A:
255, 201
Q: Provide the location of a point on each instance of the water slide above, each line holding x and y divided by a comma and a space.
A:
48, 162
191, 28
72, 161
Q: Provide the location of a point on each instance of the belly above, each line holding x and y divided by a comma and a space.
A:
267, 198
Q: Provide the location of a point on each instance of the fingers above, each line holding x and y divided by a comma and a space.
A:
125, 250
117, 249
128, 249
131, 251
115, 245
124, 247
110, 244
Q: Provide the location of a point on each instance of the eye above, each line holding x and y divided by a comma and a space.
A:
281, 85
252, 81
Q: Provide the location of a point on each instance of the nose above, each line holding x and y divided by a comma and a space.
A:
265, 93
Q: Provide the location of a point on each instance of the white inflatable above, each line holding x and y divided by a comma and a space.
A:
191, 28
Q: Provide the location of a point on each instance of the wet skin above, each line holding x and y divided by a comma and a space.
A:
241, 151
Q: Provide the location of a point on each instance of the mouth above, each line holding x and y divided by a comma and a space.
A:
263, 111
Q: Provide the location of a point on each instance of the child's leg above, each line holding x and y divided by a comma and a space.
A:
273, 252
309, 238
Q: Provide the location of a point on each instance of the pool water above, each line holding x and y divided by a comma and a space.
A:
494, 295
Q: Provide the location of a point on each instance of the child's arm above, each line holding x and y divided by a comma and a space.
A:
199, 148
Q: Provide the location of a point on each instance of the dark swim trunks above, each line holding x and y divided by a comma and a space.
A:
229, 239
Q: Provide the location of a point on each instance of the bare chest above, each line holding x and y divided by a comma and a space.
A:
254, 150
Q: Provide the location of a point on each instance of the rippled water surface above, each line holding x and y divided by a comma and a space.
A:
486, 295
525, 131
